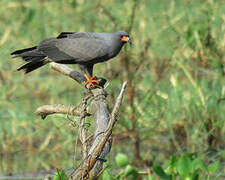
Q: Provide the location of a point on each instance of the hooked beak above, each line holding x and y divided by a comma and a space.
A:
126, 39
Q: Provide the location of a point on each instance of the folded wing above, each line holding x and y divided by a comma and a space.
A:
76, 46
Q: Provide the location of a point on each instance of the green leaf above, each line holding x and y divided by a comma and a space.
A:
195, 175
150, 177
106, 175
196, 164
184, 166
212, 168
173, 161
121, 160
171, 167
160, 172
60, 176
130, 171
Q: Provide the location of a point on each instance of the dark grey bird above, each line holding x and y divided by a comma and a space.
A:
82, 48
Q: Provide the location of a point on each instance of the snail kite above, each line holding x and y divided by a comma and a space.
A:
82, 48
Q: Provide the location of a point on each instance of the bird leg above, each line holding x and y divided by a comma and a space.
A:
90, 81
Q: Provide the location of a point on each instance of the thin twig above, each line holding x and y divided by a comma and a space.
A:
118, 102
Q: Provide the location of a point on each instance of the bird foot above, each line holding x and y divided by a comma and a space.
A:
91, 81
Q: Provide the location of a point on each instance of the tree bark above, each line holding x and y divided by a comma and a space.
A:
93, 157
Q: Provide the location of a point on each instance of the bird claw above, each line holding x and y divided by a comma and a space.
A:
91, 81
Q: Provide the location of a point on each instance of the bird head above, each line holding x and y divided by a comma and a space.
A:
123, 36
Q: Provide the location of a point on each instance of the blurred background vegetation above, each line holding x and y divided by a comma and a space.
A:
175, 101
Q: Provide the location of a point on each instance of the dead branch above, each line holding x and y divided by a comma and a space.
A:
118, 103
95, 153
75, 75
46, 110
93, 157
65, 70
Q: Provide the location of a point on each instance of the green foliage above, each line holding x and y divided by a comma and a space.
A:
187, 166
160, 172
121, 160
176, 67
131, 171
126, 169
60, 175
107, 175
212, 168
184, 166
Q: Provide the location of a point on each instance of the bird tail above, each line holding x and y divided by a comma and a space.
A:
34, 58
31, 66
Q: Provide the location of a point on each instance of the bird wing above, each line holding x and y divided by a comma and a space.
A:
81, 49
73, 35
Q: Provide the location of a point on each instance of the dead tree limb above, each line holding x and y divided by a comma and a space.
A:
102, 143
93, 157
75, 75
46, 110
65, 70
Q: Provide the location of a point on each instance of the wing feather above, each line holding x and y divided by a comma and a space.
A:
82, 49
75, 35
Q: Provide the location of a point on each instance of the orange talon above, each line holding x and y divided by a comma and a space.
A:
90, 81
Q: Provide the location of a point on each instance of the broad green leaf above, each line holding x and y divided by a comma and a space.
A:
121, 160
160, 172
150, 177
106, 175
184, 166
195, 164
212, 168
131, 171
195, 175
